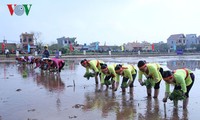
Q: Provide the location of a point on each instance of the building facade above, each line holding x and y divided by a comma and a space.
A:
66, 41
191, 39
27, 42
175, 40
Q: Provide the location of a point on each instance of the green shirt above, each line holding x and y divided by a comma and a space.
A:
181, 80
111, 69
127, 72
153, 71
94, 65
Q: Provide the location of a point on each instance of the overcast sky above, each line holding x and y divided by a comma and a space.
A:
112, 21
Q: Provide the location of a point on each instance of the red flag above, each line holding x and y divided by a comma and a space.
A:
71, 48
152, 47
3, 47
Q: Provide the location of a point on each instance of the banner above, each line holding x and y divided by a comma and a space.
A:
152, 47
174, 47
29, 47
3, 47
71, 47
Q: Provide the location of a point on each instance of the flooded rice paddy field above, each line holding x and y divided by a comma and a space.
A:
28, 94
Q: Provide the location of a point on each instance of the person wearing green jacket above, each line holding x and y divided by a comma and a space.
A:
128, 72
183, 79
152, 71
107, 73
93, 65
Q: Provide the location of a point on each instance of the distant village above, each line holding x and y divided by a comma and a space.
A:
29, 44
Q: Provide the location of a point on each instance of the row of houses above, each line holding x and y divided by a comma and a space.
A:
26, 41
175, 40
188, 40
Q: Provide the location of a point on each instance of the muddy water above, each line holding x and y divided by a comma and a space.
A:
27, 94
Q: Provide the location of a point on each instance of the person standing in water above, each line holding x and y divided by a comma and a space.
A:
128, 72
93, 65
152, 71
108, 75
183, 79
45, 53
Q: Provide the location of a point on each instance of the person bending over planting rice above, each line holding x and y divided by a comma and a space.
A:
183, 79
107, 73
152, 71
93, 65
128, 72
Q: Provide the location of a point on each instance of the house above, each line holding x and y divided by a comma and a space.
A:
134, 46
27, 42
191, 39
175, 40
66, 41
10, 46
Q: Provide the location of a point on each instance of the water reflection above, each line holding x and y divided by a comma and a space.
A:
26, 71
127, 109
185, 114
105, 104
176, 114
152, 110
109, 103
94, 100
6, 68
51, 82
71, 64
176, 64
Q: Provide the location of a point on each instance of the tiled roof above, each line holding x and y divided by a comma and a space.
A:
176, 36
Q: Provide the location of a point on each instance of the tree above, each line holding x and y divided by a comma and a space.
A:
36, 36
161, 47
197, 46
180, 47
54, 47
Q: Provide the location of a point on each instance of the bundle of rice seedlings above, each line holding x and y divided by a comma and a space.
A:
124, 85
149, 83
108, 82
24, 74
177, 95
88, 75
